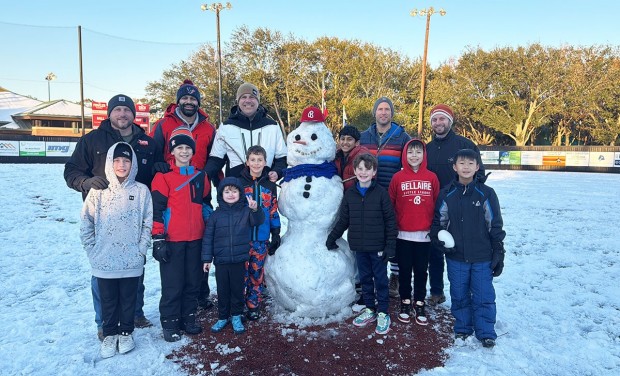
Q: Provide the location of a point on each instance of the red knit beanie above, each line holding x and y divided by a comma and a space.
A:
443, 109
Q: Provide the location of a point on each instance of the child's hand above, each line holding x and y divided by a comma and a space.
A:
273, 176
206, 266
251, 203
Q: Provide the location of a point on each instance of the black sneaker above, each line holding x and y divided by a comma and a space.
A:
253, 314
172, 335
192, 327
141, 322
488, 342
405, 311
205, 303
420, 315
461, 336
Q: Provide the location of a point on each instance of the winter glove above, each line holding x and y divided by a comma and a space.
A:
497, 264
388, 254
96, 182
331, 245
440, 246
162, 167
160, 249
275, 241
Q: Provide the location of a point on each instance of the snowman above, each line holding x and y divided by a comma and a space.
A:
303, 276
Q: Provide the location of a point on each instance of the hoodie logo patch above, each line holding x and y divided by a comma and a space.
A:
143, 142
131, 198
477, 203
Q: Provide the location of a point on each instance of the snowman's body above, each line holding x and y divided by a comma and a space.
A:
303, 276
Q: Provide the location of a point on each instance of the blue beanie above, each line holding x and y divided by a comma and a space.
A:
188, 88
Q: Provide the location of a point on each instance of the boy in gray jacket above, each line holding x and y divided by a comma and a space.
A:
115, 231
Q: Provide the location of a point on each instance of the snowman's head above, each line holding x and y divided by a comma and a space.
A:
311, 142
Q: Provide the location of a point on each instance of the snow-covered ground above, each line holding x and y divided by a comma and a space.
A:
558, 299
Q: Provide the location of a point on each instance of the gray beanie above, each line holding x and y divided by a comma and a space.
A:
382, 100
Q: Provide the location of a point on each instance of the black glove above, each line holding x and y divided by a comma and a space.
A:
331, 244
275, 242
388, 254
160, 249
497, 264
440, 246
96, 182
162, 167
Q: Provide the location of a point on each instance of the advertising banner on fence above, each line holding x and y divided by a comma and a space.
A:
100, 113
616, 159
489, 157
32, 148
554, 158
577, 158
142, 115
59, 149
514, 157
601, 159
531, 158
9, 148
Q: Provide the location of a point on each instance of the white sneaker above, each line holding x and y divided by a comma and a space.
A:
125, 343
108, 346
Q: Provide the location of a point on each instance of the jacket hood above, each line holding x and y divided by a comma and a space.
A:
230, 180
403, 157
109, 168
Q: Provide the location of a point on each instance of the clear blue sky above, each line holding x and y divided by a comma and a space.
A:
128, 43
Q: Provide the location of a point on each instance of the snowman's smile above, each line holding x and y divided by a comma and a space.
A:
298, 151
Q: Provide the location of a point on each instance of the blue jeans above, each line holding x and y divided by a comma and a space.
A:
373, 277
94, 288
435, 272
473, 298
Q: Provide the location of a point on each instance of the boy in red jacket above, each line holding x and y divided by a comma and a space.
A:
180, 209
413, 191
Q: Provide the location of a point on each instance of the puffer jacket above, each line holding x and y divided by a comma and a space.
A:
116, 223
472, 215
227, 235
388, 150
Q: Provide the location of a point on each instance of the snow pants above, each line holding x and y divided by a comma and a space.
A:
180, 281
435, 272
412, 256
230, 285
118, 304
255, 274
473, 298
373, 277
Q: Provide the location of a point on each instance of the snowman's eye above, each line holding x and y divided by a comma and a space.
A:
297, 137
313, 137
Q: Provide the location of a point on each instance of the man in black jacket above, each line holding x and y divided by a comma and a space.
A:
440, 157
85, 170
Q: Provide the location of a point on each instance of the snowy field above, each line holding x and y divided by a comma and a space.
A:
558, 300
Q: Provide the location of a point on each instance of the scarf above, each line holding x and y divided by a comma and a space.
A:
325, 170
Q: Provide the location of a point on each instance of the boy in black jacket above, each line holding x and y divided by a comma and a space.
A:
226, 242
367, 212
469, 210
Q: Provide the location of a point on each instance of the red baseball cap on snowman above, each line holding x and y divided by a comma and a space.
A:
312, 114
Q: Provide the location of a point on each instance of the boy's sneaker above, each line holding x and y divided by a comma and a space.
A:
393, 285
237, 324
219, 326
190, 326
205, 303
253, 314
367, 316
436, 299
488, 342
383, 323
172, 335
420, 316
141, 322
405, 311
125, 343
461, 336
108, 346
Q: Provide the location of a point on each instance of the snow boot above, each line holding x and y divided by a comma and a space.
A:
253, 314
393, 285
405, 311
488, 342
461, 336
205, 303
383, 323
436, 299
171, 330
125, 343
190, 326
142, 322
368, 315
108, 346
420, 315
237, 324
219, 326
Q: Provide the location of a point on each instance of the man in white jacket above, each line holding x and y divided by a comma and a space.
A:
247, 125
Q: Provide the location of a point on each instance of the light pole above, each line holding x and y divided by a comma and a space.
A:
217, 7
50, 76
428, 13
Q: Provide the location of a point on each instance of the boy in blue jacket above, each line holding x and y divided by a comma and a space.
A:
226, 243
469, 210
256, 185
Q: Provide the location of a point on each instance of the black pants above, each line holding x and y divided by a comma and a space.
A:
180, 281
412, 256
230, 286
205, 290
118, 304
